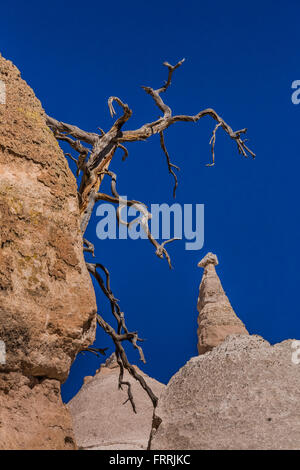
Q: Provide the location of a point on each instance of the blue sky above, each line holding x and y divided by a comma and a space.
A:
241, 60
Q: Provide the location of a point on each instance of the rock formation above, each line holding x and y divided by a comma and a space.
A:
216, 318
239, 393
101, 420
243, 394
47, 302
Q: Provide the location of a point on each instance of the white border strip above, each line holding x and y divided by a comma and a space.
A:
2, 353
2, 92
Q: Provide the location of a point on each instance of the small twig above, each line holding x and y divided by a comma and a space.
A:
95, 351
156, 93
171, 68
126, 111
88, 247
72, 158
101, 131
170, 165
212, 143
125, 154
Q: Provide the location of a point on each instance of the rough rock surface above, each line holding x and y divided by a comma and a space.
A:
32, 415
47, 302
216, 318
244, 394
101, 420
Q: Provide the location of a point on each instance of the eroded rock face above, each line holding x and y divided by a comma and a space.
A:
32, 415
102, 422
217, 318
47, 302
244, 394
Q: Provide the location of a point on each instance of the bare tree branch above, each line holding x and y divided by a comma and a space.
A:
105, 145
122, 334
156, 93
94, 163
74, 131
127, 111
212, 143
96, 351
142, 219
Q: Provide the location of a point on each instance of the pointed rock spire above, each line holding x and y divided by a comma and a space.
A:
217, 318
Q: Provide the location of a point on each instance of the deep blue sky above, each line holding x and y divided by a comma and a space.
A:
241, 60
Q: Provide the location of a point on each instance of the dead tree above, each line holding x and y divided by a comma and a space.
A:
93, 161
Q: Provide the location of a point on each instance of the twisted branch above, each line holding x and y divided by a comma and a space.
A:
94, 163
143, 219
122, 334
170, 165
156, 93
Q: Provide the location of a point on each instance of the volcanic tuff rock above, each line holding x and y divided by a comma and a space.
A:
32, 415
216, 318
244, 394
101, 420
47, 302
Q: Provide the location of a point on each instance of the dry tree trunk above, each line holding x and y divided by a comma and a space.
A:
93, 161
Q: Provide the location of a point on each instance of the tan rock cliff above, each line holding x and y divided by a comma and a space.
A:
47, 302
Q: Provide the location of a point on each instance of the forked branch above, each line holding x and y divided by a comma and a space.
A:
94, 161
122, 334
142, 220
